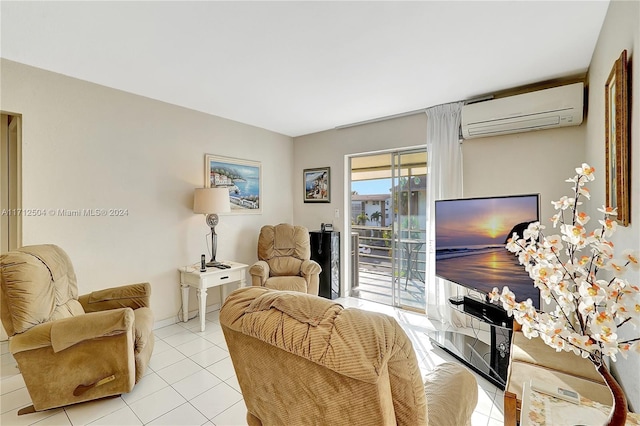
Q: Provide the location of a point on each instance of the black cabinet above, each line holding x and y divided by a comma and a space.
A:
325, 249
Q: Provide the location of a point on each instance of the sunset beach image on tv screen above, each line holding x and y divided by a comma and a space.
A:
470, 243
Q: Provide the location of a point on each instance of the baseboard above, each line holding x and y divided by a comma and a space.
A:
178, 318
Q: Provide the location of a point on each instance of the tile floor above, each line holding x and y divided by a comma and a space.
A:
191, 381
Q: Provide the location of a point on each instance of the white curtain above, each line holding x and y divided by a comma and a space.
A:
444, 157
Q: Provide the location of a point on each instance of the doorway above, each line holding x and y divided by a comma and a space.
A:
388, 227
10, 182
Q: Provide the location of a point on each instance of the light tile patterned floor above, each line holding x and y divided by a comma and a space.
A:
190, 381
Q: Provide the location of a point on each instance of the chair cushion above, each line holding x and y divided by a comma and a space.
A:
287, 284
281, 266
284, 237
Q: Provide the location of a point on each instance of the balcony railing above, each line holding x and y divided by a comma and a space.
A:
372, 260
374, 249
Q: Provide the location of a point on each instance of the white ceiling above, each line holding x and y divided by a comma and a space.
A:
302, 67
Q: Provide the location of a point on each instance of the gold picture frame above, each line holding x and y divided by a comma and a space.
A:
317, 185
617, 140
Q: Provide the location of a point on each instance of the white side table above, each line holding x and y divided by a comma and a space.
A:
190, 276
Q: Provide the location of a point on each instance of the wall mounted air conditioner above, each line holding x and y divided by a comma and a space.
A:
543, 109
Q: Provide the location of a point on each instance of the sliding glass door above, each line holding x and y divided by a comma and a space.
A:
388, 225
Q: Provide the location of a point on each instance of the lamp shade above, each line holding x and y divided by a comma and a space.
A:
211, 200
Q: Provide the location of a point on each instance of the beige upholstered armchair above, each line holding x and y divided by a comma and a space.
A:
304, 360
284, 260
71, 349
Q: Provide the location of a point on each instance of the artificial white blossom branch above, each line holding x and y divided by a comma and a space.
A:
565, 267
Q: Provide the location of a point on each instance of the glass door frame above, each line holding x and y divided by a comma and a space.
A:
396, 280
401, 257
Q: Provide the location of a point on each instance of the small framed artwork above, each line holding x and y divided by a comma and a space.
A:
317, 185
617, 140
243, 178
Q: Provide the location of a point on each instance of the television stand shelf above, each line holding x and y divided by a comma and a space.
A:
470, 349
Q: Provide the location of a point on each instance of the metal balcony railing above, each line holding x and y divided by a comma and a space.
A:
374, 249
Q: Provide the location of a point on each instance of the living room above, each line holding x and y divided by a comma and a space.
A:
85, 145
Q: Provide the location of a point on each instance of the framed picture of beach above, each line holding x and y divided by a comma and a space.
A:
617, 140
243, 178
317, 185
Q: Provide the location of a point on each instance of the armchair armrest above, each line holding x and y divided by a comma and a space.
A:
310, 267
64, 333
310, 271
452, 392
259, 273
132, 296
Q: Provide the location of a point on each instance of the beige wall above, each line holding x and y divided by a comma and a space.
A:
87, 146
621, 30
524, 163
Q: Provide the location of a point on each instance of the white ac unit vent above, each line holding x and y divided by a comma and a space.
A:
543, 109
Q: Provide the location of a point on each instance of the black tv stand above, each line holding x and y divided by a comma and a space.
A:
488, 312
470, 349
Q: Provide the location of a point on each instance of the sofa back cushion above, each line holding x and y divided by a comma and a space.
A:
300, 357
38, 285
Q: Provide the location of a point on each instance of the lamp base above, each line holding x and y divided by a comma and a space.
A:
213, 264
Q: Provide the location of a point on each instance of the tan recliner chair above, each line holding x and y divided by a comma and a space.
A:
284, 260
71, 349
304, 360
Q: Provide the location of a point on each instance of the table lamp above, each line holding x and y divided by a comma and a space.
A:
211, 201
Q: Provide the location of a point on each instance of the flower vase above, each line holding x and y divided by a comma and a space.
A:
618, 415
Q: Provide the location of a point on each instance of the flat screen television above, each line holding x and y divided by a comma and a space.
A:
471, 234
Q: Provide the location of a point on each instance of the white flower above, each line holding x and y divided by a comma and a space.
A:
563, 203
553, 243
633, 259
529, 331
582, 218
603, 325
610, 349
603, 249
572, 234
532, 231
609, 226
580, 345
609, 211
494, 295
595, 235
586, 171
513, 244
585, 192
617, 266
591, 294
